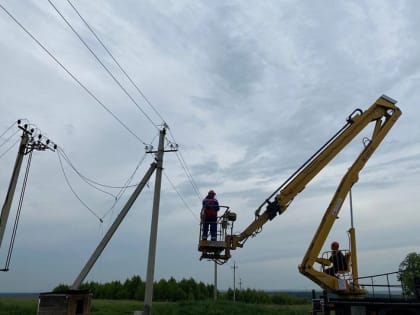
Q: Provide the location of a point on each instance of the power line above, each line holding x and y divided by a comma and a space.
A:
7, 129
179, 195
8, 138
102, 64
124, 188
116, 62
181, 159
74, 192
84, 178
5, 152
71, 74
92, 183
188, 173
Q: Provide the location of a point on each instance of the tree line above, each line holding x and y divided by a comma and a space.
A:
184, 290
189, 290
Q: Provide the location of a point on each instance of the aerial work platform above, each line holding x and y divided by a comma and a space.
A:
215, 249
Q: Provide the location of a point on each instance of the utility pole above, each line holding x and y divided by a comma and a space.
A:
101, 246
12, 186
234, 280
148, 297
215, 281
31, 140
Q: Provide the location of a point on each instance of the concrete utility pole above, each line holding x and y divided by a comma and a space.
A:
105, 240
31, 140
12, 186
215, 281
154, 226
234, 280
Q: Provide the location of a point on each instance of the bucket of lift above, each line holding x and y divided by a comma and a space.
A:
216, 249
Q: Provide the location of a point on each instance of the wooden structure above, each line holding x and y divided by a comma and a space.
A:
72, 302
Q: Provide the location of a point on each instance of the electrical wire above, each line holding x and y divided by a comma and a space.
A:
8, 139
180, 196
11, 147
92, 183
85, 178
7, 129
60, 151
188, 173
180, 157
18, 212
101, 63
74, 192
125, 187
72, 75
116, 62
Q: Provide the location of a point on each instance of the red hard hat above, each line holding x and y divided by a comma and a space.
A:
211, 192
334, 245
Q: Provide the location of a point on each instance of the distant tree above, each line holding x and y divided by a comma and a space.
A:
409, 270
61, 288
174, 291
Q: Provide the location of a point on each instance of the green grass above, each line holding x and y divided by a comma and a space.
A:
18, 306
28, 306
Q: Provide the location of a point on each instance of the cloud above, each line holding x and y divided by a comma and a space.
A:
249, 93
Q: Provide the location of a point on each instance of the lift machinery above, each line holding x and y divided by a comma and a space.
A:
382, 115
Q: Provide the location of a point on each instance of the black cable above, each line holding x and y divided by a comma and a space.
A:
179, 195
101, 63
116, 62
86, 179
125, 187
8, 139
7, 129
181, 159
19, 209
87, 182
74, 192
93, 96
5, 152
71, 74
188, 173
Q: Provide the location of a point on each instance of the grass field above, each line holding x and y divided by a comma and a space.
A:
28, 306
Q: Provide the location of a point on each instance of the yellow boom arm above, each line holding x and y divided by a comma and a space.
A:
383, 114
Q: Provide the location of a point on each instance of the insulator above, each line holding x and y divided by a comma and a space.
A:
48, 141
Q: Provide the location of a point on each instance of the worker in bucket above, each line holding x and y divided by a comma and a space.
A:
209, 215
337, 259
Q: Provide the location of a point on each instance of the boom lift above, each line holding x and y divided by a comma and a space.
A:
382, 114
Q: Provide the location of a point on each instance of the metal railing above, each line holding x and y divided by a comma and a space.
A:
385, 284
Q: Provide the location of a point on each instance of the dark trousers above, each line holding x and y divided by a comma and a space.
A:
212, 223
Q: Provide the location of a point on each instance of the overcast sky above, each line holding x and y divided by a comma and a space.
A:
249, 90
